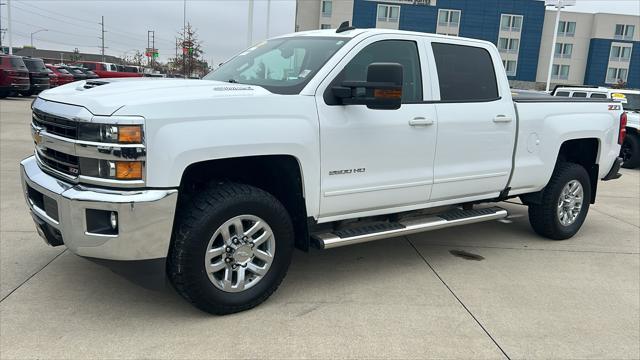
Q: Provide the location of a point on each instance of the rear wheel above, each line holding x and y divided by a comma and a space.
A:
565, 203
630, 151
26, 93
232, 248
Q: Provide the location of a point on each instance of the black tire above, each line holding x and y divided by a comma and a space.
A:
4, 94
198, 221
544, 218
630, 152
26, 93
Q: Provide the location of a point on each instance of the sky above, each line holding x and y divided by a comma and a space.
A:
221, 24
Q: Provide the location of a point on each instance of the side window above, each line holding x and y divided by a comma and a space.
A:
403, 52
579, 94
465, 73
562, 93
598, 96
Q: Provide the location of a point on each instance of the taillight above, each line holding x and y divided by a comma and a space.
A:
623, 128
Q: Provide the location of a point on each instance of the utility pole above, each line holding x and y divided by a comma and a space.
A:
268, 17
1, 29
102, 37
9, 28
250, 25
153, 47
184, 30
559, 4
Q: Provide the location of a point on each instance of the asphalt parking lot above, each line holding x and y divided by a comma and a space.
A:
405, 297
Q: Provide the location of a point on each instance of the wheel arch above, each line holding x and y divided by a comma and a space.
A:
582, 151
280, 175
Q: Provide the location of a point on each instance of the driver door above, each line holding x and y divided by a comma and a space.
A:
377, 161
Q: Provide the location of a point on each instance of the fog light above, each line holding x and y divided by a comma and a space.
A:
114, 220
102, 222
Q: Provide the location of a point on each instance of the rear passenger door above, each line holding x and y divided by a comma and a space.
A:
476, 122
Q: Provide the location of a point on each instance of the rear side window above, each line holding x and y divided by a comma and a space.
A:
403, 52
598, 96
465, 73
562, 93
579, 94
90, 66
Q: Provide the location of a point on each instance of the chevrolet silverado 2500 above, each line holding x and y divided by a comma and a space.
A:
325, 137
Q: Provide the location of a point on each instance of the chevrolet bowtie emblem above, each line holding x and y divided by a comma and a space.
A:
37, 137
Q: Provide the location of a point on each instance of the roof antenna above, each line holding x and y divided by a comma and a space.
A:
344, 27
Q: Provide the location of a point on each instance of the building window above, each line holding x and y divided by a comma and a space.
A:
510, 66
327, 8
511, 22
567, 28
624, 32
388, 13
508, 45
560, 72
615, 75
447, 34
449, 18
563, 51
620, 53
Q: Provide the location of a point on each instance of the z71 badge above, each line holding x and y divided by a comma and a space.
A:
347, 171
615, 107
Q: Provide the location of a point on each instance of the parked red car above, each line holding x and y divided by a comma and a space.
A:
61, 76
14, 76
107, 70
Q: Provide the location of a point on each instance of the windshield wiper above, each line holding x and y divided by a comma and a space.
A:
232, 81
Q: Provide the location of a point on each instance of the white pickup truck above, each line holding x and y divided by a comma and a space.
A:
324, 137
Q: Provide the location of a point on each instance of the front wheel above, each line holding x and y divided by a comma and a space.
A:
232, 248
565, 203
630, 151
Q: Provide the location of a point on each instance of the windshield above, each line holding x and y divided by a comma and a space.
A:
633, 102
63, 71
16, 62
35, 65
282, 66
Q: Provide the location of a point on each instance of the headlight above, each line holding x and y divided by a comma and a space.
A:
106, 133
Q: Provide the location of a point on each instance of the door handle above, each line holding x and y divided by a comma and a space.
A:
502, 119
420, 121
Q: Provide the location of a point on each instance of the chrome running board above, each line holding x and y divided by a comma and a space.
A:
367, 233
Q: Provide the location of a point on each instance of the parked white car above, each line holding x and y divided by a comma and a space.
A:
630, 100
325, 137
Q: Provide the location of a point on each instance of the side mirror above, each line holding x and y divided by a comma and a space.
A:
382, 90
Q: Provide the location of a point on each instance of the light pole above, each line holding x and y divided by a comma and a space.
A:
35, 32
559, 4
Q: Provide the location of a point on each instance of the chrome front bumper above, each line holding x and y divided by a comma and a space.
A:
145, 217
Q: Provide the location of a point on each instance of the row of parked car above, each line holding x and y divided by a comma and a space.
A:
29, 76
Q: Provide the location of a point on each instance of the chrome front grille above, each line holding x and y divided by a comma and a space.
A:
55, 125
64, 163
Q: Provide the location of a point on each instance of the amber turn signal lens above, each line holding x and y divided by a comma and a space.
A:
130, 134
128, 170
387, 93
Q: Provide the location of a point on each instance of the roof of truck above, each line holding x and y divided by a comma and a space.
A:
357, 32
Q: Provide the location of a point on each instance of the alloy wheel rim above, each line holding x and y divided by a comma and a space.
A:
570, 202
240, 253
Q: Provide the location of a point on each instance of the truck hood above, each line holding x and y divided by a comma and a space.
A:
106, 96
